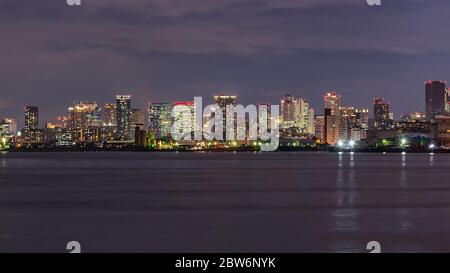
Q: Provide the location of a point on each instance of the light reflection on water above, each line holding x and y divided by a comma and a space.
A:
225, 202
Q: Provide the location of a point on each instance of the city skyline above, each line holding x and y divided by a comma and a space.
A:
212, 97
355, 49
337, 123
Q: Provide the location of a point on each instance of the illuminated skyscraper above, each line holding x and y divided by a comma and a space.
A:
436, 93
223, 101
31, 131
333, 102
319, 127
31, 117
183, 113
296, 112
85, 121
362, 118
381, 113
159, 119
123, 106
109, 115
9, 126
289, 112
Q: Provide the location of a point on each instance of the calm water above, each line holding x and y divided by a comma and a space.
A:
224, 202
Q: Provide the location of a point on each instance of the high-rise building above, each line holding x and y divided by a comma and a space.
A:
123, 106
31, 132
331, 128
31, 117
159, 119
186, 119
109, 115
319, 127
362, 118
289, 112
9, 125
333, 102
436, 93
296, 112
137, 118
311, 122
85, 122
382, 115
223, 101
86, 114
8, 129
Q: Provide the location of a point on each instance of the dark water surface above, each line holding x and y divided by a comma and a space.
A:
224, 202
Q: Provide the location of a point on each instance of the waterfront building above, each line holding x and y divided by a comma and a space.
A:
184, 113
109, 115
296, 112
31, 132
382, 116
436, 99
159, 119
123, 108
442, 130
319, 127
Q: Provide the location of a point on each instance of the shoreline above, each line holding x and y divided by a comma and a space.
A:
141, 150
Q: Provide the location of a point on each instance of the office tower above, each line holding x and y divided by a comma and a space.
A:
31, 131
85, 122
289, 112
184, 113
303, 121
382, 116
347, 121
362, 123
331, 128
159, 119
296, 112
9, 126
333, 102
436, 96
223, 101
109, 115
362, 118
311, 122
86, 114
31, 118
137, 118
319, 126
8, 129
441, 131
123, 106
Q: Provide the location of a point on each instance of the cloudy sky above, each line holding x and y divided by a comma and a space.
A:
167, 50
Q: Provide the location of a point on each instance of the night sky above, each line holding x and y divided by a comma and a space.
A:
167, 50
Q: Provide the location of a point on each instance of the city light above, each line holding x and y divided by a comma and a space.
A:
403, 141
